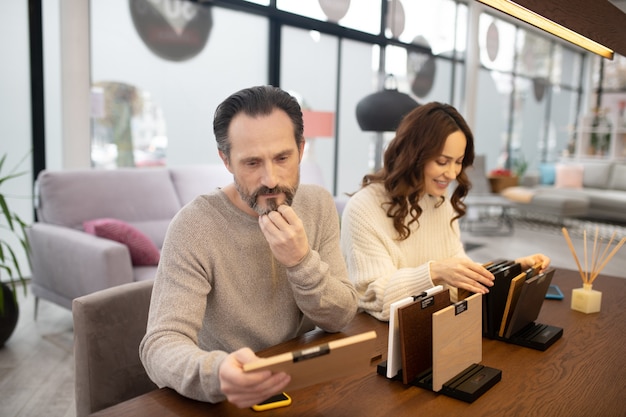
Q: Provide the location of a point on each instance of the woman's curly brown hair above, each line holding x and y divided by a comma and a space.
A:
420, 138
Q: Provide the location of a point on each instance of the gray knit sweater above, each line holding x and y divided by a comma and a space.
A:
218, 289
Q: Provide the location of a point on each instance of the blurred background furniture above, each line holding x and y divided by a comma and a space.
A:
67, 262
487, 212
108, 328
588, 189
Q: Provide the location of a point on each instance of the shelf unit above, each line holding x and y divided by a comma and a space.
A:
617, 146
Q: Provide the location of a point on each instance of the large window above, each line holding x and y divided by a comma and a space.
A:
175, 60
315, 95
535, 82
179, 94
362, 15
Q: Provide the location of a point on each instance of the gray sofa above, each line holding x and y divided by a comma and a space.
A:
67, 262
590, 189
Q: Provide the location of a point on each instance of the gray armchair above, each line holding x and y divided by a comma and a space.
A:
67, 262
108, 327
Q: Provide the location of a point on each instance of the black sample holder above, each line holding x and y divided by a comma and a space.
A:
535, 336
466, 386
472, 383
523, 331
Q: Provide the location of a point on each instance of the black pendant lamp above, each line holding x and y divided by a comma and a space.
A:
382, 111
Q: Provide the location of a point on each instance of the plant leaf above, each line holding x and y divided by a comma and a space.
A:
6, 212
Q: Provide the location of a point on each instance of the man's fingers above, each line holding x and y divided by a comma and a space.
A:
288, 213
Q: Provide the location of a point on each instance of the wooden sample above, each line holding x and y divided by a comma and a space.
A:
324, 362
415, 321
457, 339
514, 291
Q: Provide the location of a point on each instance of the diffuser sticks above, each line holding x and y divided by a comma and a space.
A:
586, 299
595, 263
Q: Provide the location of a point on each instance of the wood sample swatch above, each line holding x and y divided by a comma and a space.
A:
457, 339
529, 303
394, 349
415, 322
497, 296
514, 291
324, 362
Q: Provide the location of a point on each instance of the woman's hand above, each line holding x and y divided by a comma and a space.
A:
461, 273
537, 259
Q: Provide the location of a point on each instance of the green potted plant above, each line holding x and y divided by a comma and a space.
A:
13, 240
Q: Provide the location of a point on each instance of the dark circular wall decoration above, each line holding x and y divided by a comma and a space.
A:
421, 69
174, 30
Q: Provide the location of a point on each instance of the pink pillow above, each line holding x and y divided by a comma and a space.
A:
142, 250
568, 176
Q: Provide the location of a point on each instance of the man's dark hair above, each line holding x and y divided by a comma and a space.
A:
255, 101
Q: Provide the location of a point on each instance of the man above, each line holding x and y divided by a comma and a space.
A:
247, 266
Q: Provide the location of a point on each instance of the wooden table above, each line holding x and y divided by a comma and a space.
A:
582, 374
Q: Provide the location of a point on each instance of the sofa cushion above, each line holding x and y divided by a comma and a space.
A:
142, 250
154, 229
569, 176
518, 194
70, 197
607, 199
144, 273
194, 180
596, 175
547, 172
618, 178
562, 205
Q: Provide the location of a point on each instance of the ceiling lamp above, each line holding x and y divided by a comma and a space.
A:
382, 111
528, 16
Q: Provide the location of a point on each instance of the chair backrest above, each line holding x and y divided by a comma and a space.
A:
70, 197
477, 174
108, 327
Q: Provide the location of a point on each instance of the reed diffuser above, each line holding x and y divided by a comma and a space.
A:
586, 299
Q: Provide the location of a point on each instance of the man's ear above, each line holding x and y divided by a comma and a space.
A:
225, 160
301, 150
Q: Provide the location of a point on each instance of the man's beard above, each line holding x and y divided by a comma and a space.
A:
251, 198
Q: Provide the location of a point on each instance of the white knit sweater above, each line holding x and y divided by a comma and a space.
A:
385, 269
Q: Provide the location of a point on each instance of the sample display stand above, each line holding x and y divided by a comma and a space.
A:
440, 346
513, 304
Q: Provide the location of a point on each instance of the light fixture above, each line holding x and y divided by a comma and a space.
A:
382, 111
528, 16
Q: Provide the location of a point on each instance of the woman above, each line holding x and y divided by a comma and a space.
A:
400, 233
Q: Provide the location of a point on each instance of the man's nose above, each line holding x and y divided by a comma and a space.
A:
270, 177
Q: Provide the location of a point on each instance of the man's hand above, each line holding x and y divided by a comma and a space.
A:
245, 389
285, 233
